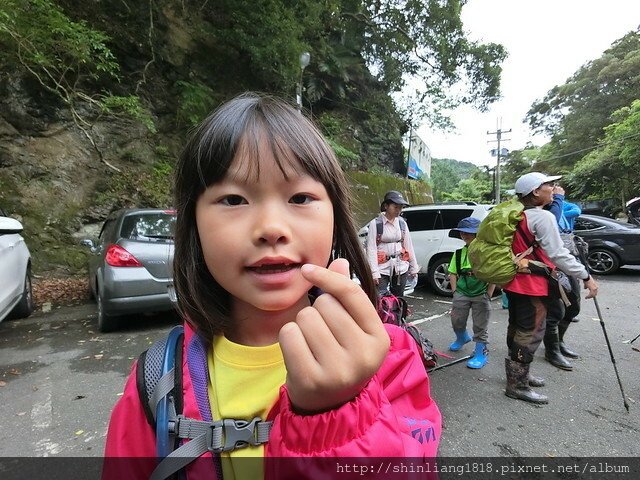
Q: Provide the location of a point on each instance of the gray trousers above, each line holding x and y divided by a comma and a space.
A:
480, 310
395, 284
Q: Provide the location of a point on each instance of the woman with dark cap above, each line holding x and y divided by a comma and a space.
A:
389, 247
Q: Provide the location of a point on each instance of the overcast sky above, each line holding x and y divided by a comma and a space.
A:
547, 41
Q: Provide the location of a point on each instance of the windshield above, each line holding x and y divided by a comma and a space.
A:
154, 226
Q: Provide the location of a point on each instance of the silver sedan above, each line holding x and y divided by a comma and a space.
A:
130, 264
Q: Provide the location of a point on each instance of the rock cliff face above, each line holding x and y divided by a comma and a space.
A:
61, 176
60, 184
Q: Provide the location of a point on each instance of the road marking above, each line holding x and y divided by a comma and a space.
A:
427, 319
443, 301
41, 418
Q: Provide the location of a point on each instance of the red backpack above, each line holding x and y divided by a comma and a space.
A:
394, 310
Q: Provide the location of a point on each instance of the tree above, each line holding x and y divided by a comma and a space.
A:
425, 39
575, 114
67, 58
613, 170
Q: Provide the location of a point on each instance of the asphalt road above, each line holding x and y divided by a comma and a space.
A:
59, 378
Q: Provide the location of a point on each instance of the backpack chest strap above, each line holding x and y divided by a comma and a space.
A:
223, 435
219, 436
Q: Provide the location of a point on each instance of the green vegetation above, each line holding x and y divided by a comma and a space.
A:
195, 102
129, 105
116, 86
453, 180
593, 122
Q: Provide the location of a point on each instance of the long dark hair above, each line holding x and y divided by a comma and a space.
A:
205, 161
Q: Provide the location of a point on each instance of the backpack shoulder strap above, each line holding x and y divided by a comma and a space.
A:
379, 228
403, 229
531, 242
149, 374
459, 262
159, 384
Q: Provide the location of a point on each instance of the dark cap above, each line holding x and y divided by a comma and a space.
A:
466, 225
394, 196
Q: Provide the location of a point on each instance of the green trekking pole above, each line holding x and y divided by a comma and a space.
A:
604, 330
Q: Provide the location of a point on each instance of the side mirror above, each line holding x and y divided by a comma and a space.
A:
87, 243
10, 226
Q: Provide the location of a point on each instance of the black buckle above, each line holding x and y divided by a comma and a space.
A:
234, 434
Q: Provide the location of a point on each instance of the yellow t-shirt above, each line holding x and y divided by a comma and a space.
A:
244, 383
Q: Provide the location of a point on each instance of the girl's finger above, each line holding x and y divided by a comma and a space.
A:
348, 293
340, 265
323, 345
298, 358
345, 331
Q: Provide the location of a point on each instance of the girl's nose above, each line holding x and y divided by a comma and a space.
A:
271, 226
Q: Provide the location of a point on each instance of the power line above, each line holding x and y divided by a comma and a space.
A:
592, 147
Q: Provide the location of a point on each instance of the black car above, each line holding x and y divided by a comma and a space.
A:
611, 243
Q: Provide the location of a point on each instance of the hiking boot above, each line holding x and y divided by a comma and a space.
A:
535, 381
462, 337
480, 356
518, 383
562, 328
552, 350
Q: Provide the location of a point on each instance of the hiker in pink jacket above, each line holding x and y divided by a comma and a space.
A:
275, 328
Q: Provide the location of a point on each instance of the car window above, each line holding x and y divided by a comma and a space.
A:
149, 227
108, 224
584, 224
420, 220
450, 218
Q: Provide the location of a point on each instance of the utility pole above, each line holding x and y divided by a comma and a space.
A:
498, 133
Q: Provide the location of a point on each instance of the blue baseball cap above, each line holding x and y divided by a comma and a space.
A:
466, 225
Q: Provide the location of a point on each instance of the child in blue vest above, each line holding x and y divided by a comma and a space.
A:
469, 293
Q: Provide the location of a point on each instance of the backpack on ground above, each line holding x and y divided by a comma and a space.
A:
491, 251
394, 310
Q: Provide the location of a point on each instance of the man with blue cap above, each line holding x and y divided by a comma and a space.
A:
469, 293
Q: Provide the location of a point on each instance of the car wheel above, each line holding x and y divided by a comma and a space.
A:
603, 262
106, 323
25, 307
438, 277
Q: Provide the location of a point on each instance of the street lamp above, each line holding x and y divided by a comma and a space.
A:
305, 58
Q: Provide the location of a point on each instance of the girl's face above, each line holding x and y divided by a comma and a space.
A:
256, 231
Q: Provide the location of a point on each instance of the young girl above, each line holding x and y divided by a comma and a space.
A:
274, 326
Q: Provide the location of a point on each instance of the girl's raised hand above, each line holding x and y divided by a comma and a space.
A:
335, 346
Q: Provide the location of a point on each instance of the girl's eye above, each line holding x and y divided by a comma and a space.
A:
301, 199
233, 200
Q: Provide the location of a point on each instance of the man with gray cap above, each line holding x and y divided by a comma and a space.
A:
528, 294
389, 247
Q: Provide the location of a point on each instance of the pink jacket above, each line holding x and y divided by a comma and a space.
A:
393, 416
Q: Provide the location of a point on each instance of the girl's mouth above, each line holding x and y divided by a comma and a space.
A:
268, 269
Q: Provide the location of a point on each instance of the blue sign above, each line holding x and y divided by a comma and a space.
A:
414, 170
